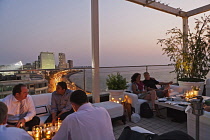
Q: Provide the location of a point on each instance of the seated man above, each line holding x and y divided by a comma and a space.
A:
151, 83
60, 103
86, 123
21, 110
10, 133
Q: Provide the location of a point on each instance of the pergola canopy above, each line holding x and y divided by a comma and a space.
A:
146, 3
170, 10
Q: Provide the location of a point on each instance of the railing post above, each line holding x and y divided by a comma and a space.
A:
84, 80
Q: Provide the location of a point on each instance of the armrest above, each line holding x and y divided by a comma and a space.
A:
131, 98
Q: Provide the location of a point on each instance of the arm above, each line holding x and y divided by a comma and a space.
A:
31, 109
53, 108
165, 83
68, 104
30, 112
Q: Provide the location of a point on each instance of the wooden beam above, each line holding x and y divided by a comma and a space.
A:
160, 7
198, 10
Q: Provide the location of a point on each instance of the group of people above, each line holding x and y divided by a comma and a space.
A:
147, 89
80, 119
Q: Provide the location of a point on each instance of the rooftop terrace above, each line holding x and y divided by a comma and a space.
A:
155, 125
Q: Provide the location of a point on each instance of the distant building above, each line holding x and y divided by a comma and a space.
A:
62, 60
35, 83
70, 63
36, 64
47, 60
28, 66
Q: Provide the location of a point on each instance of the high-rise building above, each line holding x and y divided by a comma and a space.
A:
47, 60
62, 60
70, 63
36, 64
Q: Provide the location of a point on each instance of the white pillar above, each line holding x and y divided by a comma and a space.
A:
185, 32
95, 51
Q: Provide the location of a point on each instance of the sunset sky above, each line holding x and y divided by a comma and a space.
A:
128, 32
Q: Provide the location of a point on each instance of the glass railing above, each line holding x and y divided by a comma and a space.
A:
44, 81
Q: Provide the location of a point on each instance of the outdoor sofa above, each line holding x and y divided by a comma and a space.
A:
132, 98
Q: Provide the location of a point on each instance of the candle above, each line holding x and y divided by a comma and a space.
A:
36, 131
48, 133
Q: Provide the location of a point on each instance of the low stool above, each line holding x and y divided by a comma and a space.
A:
115, 110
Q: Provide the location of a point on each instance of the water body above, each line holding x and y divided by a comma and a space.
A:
160, 73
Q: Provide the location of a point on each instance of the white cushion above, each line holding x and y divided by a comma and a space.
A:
114, 109
42, 119
129, 87
42, 99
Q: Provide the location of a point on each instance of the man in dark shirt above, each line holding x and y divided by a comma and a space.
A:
60, 103
150, 84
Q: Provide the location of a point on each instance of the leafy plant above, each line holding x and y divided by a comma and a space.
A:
116, 82
191, 61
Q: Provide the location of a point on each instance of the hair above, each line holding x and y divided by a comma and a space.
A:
133, 78
17, 89
146, 72
78, 97
3, 112
63, 85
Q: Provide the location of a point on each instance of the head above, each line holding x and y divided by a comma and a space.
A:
20, 92
3, 113
146, 76
61, 88
135, 77
78, 98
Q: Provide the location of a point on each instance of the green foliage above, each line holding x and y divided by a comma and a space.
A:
192, 62
116, 82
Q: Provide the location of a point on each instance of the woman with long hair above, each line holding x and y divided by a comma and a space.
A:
139, 89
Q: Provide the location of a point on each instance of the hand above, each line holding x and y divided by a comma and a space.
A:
21, 121
60, 114
54, 120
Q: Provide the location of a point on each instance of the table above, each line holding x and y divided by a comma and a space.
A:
175, 110
174, 104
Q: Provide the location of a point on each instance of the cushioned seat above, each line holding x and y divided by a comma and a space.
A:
132, 98
114, 109
42, 104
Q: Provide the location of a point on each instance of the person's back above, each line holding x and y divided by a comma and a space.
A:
10, 133
87, 123
96, 124
13, 133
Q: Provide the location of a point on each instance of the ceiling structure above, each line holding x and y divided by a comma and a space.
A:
157, 5
170, 10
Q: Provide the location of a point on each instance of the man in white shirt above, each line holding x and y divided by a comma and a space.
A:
21, 110
10, 133
86, 123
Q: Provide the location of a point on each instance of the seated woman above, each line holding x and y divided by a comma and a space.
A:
138, 88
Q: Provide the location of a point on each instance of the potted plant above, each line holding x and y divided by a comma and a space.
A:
116, 85
191, 63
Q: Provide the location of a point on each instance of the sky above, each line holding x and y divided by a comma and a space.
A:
128, 32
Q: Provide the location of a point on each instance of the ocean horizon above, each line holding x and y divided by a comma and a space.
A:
160, 73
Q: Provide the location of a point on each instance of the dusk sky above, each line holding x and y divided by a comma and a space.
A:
128, 32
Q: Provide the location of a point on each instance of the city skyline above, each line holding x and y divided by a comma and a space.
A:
128, 32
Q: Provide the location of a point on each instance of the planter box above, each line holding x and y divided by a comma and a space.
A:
188, 86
